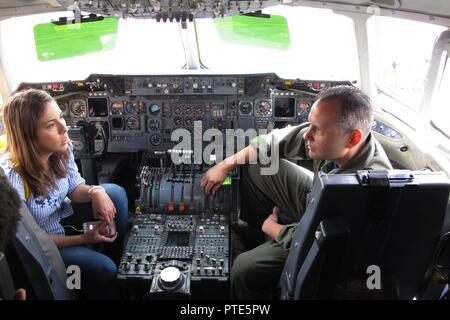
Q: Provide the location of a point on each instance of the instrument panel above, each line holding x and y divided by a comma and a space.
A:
179, 245
140, 113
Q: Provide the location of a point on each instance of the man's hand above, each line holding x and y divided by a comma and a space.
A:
213, 179
103, 206
274, 215
270, 226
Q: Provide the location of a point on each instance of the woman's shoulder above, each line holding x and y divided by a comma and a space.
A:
12, 175
8, 168
6, 164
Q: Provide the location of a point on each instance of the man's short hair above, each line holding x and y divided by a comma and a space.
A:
9, 211
355, 107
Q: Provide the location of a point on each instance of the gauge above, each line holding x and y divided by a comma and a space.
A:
64, 106
177, 109
134, 107
199, 111
116, 107
178, 121
155, 139
133, 123
78, 108
245, 107
302, 108
263, 108
188, 121
153, 124
188, 110
154, 109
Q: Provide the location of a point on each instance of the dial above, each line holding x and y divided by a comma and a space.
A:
263, 108
303, 108
132, 123
200, 111
188, 110
117, 107
154, 109
188, 121
78, 108
178, 121
177, 109
155, 139
64, 106
245, 107
134, 107
170, 278
153, 124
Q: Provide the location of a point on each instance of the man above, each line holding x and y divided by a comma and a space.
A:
336, 140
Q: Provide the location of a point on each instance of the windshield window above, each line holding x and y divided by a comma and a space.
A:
400, 56
142, 47
322, 46
441, 100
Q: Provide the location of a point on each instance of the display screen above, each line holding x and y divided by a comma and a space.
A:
177, 239
117, 123
280, 124
284, 107
98, 107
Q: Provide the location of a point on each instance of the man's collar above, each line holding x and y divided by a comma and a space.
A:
366, 153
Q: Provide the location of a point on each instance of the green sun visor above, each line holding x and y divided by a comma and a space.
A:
260, 31
64, 41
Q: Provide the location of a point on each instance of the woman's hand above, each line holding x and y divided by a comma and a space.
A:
99, 234
213, 179
102, 205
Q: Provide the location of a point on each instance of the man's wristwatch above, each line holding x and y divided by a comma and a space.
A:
92, 188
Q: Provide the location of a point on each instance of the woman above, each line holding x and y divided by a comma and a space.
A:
40, 165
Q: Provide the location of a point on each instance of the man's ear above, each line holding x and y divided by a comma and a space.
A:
355, 138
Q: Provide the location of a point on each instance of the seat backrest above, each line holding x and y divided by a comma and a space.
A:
33, 251
41, 260
7, 290
354, 223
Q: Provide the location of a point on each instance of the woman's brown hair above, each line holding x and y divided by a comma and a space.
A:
21, 116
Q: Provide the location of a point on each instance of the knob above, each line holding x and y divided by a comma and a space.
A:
170, 278
129, 256
147, 266
126, 266
135, 229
